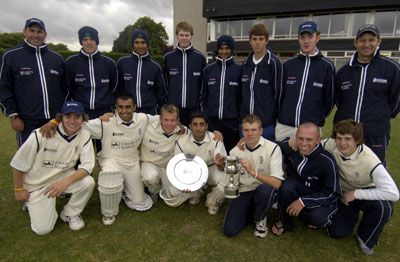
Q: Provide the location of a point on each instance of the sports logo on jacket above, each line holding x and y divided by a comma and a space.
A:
26, 71
245, 78
173, 71
345, 85
265, 82
379, 80
80, 78
128, 76
54, 72
150, 83
232, 83
105, 81
318, 84
291, 80
196, 73
212, 81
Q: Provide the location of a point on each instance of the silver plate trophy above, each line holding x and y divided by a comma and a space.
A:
232, 168
187, 172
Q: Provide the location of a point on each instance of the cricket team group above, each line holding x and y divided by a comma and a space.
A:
136, 115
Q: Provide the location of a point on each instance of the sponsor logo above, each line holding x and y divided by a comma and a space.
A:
196, 74
117, 134
115, 145
265, 82
212, 82
140, 131
290, 82
261, 160
80, 79
54, 72
105, 81
312, 178
26, 71
47, 163
151, 83
173, 71
245, 78
127, 77
345, 85
50, 150
153, 142
232, 83
379, 80
318, 84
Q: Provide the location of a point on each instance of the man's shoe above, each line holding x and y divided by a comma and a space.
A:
366, 250
213, 209
107, 221
261, 230
75, 222
25, 207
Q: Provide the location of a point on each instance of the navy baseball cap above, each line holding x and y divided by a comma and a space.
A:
72, 107
37, 21
308, 26
368, 28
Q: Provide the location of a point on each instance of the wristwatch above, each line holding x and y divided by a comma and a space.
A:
12, 117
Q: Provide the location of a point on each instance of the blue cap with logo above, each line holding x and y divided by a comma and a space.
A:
139, 33
36, 21
88, 31
308, 26
72, 107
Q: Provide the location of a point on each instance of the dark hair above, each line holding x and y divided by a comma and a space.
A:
259, 30
125, 96
59, 117
351, 127
199, 115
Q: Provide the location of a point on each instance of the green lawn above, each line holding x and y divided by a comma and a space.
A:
186, 233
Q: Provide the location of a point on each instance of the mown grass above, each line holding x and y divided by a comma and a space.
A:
186, 233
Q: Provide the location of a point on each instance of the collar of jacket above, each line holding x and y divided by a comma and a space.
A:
228, 60
187, 49
33, 48
142, 56
354, 61
315, 151
94, 55
264, 62
317, 55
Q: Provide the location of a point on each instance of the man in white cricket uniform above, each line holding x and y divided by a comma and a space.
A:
199, 142
158, 146
45, 168
262, 162
121, 137
366, 184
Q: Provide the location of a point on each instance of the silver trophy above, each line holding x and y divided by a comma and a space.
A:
232, 170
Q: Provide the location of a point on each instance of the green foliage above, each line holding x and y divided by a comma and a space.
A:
8, 40
158, 37
58, 47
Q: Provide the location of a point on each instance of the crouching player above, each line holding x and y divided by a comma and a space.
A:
43, 169
198, 142
262, 163
366, 184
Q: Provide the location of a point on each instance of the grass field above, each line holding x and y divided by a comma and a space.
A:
186, 233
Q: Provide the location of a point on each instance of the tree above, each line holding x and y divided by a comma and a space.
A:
158, 37
58, 47
8, 40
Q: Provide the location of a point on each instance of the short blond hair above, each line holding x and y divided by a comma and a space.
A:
169, 108
185, 26
251, 119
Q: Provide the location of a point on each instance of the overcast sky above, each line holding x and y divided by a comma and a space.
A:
63, 18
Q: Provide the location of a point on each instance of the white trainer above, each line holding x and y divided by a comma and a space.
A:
107, 221
366, 250
213, 209
261, 230
75, 222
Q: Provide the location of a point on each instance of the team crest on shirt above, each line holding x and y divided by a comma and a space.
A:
261, 160
115, 145
356, 175
47, 163
76, 149
210, 154
140, 131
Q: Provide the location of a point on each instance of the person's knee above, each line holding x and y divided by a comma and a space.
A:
43, 229
229, 231
337, 232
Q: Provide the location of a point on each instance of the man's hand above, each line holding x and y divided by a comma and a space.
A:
218, 136
57, 189
293, 143
294, 208
348, 196
106, 117
22, 195
17, 124
182, 129
219, 162
48, 130
241, 143
247, 166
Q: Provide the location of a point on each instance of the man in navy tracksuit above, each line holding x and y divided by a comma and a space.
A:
220, 95
312, 188
91, 76
142, 76
183, 68
307, 91
261, 78
368, 90
32, 79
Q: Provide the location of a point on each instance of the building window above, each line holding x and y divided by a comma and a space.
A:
359, 19
397, 22
282, 27
221, 28
247, 25
338, 25
323, 24
385, 22
269, 22
235, 28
